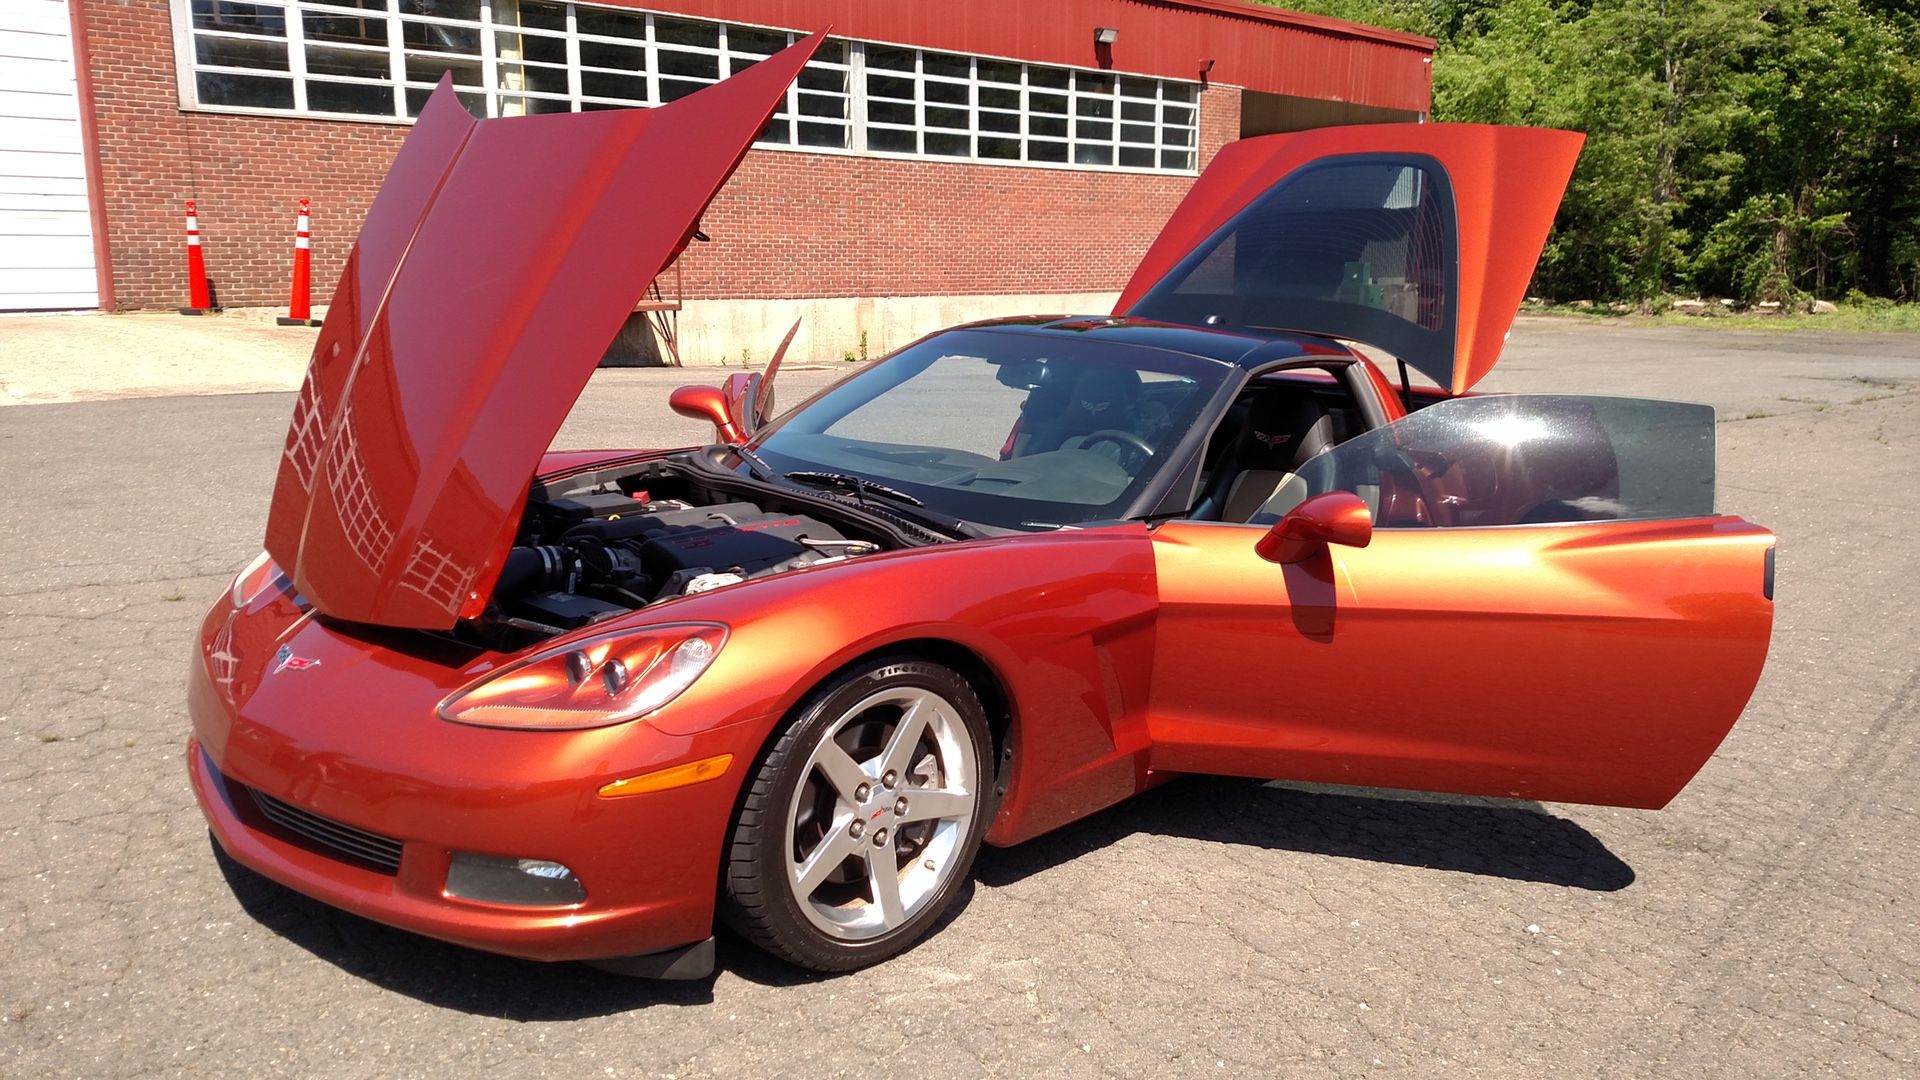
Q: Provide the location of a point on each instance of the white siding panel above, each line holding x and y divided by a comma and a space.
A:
46, 226
34, 75
40, 202
36, 133
46, 281
47, 250
54, 186
37, 165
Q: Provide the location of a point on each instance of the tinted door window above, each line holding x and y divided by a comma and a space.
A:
1522, 460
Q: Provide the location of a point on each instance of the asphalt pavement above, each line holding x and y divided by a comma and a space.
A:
1764, 925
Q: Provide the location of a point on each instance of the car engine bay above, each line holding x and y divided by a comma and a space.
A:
599, 544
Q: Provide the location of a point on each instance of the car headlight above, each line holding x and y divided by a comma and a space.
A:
590, 682
260, 577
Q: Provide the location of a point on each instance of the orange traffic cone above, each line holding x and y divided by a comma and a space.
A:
299, 310
199, 297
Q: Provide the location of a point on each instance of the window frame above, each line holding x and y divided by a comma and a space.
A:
1170, 94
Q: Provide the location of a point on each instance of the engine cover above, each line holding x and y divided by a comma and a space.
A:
749, 545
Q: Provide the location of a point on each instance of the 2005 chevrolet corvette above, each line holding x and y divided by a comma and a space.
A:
574, 706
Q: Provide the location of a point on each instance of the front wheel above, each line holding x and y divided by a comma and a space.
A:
859, 827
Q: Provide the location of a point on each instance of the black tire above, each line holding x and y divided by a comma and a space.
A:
791, 804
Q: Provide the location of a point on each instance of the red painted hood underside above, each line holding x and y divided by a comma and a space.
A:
496, 264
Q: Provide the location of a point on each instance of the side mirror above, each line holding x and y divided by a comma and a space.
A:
742, 392
707, 403
1337, 517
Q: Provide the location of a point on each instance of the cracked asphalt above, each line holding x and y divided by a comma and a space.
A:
1763, 925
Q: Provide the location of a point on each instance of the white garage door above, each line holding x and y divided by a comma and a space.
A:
46, 233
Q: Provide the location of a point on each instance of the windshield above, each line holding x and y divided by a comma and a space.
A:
1017, 430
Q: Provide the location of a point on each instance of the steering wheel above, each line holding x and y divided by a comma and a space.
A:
1126, 439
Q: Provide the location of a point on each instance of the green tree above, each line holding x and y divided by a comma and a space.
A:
1755, 148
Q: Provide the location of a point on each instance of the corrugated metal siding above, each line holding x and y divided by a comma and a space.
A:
46, 229
1310, 58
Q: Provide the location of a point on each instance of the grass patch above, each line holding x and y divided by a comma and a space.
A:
1868, 318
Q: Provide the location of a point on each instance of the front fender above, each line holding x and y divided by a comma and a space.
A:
1065, 620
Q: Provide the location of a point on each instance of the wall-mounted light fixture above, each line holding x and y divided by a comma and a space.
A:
1105, 35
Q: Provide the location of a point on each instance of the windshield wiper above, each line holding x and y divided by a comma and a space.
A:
859, 485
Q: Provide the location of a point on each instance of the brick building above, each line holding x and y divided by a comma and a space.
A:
936, 162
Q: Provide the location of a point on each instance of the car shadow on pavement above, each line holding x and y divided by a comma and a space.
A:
1495, 838
445, 975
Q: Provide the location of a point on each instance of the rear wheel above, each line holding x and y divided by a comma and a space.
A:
859, 827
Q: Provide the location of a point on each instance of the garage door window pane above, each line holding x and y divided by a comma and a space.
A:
236, 18
1046, 150
438, 37
690, 65
427, 69
475, 104
948, 93
832, 136
532, 13
244, 91
361, 99
822, 105
245, 52
599, 54
1000, 149
892, 140
355, 63
815, 77
603, 84
537, 47
742, 39
348, 29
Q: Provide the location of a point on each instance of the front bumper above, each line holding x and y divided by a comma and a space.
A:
362, 750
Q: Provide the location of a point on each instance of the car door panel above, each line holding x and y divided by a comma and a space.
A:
1546, 608
1588, 662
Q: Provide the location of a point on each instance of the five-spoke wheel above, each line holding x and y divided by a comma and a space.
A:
860, 825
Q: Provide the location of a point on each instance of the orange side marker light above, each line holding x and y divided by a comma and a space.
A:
692, 772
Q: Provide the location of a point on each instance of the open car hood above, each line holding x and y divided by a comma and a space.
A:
496, 264
1415, 238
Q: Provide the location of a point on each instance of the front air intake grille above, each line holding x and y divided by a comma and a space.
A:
370, 848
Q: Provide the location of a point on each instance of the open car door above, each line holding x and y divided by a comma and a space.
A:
1546, 606
1418, 239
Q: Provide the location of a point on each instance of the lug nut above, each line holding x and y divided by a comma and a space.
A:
856, 828
860, 793
880, 837
889, 780
900, 807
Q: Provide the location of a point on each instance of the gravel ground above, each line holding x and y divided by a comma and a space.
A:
1763, 925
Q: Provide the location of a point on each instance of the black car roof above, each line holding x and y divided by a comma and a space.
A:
1239, 347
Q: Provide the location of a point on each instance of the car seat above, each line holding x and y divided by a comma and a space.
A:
1102, 397
1284, 429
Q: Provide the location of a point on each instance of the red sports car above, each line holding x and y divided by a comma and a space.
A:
574, 706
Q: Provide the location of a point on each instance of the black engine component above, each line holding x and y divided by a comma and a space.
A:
613, 554
565, 610
765, 542
635, 520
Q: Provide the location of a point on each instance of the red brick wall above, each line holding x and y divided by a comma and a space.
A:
813, 225
788, 225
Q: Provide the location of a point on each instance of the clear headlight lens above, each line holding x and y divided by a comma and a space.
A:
260, 576
594, 681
